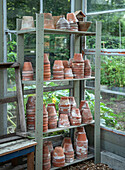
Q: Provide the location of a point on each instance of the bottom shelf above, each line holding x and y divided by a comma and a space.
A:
90, 156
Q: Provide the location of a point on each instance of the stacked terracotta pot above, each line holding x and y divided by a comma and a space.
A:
72, 103
63, 120
48, 21
64, 106
58, 70
87, 69
52, 116
68, 73
75, 117
85, 112
81, 145
27, 73
50, 146
78, 66
46, 157
72, 21
58, 158
27, 22
77, 130
68, 150
30, 112
47, 71
45, 119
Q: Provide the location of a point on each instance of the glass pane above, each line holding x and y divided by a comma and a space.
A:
104, 5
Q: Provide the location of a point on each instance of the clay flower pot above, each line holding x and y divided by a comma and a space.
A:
27, 23
27, 73
66, 140
48, 21
84, 26
72, 102
50, 146
83, 104
46, 59
52, 104
58, 65
71, 18
55, 20
75, 113
64, 102
78, 58
31, 102
68, 73
46, 157
87, 69
58, 157
63, 120
65, 63
51, 111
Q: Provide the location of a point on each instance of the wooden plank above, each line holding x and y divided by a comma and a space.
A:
4, 150
9, 65
9, 139
90, 156
39, 88
30, 161
20, 100
57, 31
8, 100
97, 92
33, 82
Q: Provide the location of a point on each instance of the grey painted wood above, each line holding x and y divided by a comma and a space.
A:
39, 88
20, 100
97, 92
3, 76
56, 31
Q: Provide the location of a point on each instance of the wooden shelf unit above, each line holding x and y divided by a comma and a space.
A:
40, 31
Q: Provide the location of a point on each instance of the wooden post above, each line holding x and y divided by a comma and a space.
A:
3, 76
97, 92
39, 89
30, 161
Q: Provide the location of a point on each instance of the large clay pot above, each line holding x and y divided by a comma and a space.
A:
27, 23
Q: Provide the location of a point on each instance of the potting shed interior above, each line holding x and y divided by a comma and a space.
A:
62, 83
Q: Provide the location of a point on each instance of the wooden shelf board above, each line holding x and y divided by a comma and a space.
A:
33, 82
90, 156
57, 31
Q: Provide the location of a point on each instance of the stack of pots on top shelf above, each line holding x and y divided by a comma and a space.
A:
48, 21
75, 117
58, 158
27, 73
87, 69
72, 21
78, 66
46, 157
85, 112
58, 70
68, 150
47, 71
64, 106
30, 112
45, 119
52, 116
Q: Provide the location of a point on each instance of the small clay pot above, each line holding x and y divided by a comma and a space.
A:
48, 21
75, 113
83, 104
68, 73
51, 111
64, 102
63, 120
31, 102
72, 101
46, 59
78, 58
58, 64
81, 137
65, 63
66, 140
58, 151
71, 18
27, 66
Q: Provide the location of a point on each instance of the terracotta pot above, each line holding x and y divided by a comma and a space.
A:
46, 156
83, 104
63, 120
27, 73
51, 111
86, 116
72, 101
84, 26
68, 72
64, 102
48, 21
31, 102
75, 113
66, 140
58, 64
58, 151
65, 63
78, 58
50, 145
52, 104
75, 122
46, 59
71, 18
27, 23
81, 136
55, 20
87, 69
27, 66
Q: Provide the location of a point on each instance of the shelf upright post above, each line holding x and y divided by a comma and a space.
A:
20, 59
39, 89
97, 92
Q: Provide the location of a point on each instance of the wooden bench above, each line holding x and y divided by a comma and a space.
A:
14, 149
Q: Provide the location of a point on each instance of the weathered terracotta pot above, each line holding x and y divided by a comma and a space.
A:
65, 63
55, 20
50, 146
64, 102
46, 157
52, 104
27, 73
81, 145
45, 119
48, 21
72, 102
75, 117
27, 23
87, 69
71, 18
84, 26
78, 58
68, 73
63, 120
58, 65
58, 157
47, 71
